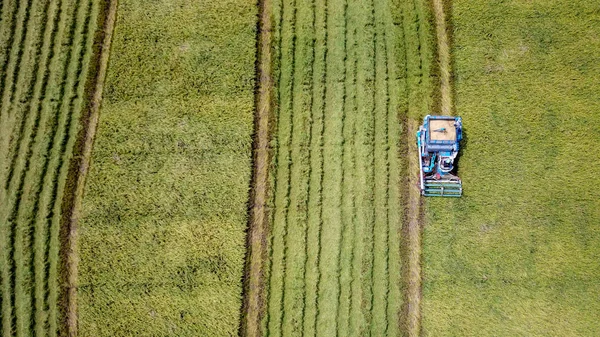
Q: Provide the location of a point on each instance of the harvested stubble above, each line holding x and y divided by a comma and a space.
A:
343, 84
44, 76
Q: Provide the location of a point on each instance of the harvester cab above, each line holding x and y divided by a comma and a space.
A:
438, 141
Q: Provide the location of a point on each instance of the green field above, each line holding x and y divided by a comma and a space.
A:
518, 254
45, 60
162, 239
346, 72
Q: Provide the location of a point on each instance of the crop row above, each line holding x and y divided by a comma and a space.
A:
335, 239
40, 109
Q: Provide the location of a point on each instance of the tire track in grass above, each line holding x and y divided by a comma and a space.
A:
62, 202
282, 192
253, 306
65, 137
348, 164
381, 172
296, 220
332, 173
315, 198
277, 17
98, 48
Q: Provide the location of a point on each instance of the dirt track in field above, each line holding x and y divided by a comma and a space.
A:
254, 282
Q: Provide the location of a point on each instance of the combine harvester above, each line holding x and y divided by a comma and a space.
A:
438, 140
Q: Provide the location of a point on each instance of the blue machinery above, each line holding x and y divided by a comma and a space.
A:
438, 140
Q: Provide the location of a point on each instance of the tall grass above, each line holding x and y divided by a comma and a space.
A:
164, 212
519, 247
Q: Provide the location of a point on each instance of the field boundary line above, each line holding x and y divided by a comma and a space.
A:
443, 47
79, 167
253, 305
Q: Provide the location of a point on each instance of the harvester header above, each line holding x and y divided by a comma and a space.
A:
438, 141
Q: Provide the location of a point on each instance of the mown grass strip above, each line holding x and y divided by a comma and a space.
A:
364, 184
296, 220
418, 104
26, 155
17, 153
332, 171
349, 171
396, 170
284, 127
315, 196
381, 167
50, 192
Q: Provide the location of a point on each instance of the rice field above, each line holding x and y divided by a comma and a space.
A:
45, 61
162, 230
348, 74
518, 254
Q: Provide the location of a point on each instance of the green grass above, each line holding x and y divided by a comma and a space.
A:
342, 84
517, 254
162, 239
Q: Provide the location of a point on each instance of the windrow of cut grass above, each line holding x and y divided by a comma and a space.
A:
44, 76
517, 254
343, 89
164, 215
